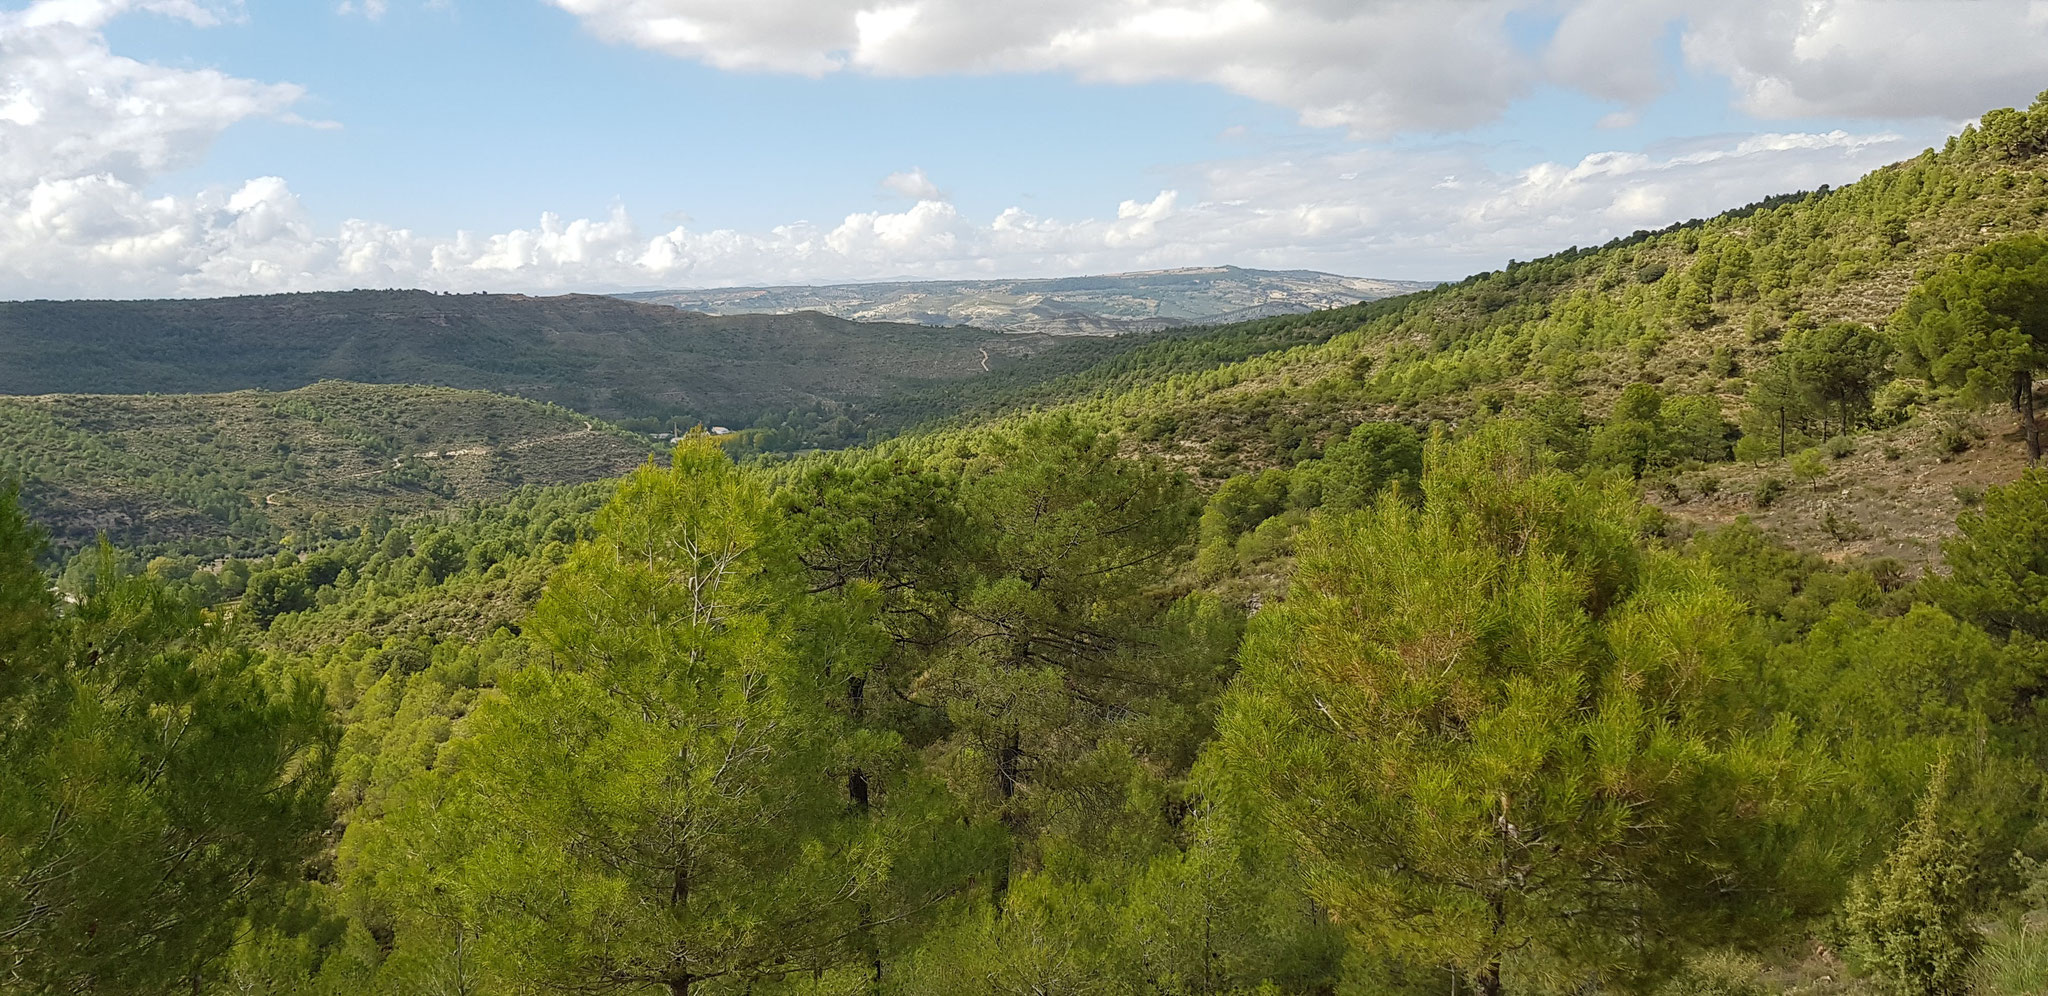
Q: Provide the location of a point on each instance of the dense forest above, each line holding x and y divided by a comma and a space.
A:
1395, 649
643, 363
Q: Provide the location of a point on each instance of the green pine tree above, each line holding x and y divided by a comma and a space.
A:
1502, 737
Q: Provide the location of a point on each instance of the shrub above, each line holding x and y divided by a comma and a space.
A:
1908, 922
1956, 433
1841, 447
1717, 974
1808, 466
1768, 492
1888, 572
1843, 529
1896, 402
1893, 452
1968, 495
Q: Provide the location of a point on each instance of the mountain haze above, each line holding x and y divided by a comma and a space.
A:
1107, 304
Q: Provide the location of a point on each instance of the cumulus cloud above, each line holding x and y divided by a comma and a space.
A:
1381, 66
1415, 212
913, 184
85, 135
1895, 59
130, 119
1372, 67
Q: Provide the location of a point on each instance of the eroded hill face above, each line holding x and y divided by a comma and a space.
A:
1110, 304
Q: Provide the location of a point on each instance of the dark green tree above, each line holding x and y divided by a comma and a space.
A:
1632, 436
1981, 325
1780, 403
1842, 364
1355, 469
1998, 565
1505, 738
663, 805
1066, 647
160, 789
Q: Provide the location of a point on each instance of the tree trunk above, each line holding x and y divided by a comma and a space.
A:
1007, 762
680, 985
1008, 775
1487, 982
1781, 433
2024, 381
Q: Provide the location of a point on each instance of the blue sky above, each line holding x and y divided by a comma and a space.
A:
212, 146
454, 119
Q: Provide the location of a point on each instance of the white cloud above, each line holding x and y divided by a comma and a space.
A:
913, 184
1424, 212
1381, 66
1899, 58
1371, 67
131, 119
86, 134
372, 9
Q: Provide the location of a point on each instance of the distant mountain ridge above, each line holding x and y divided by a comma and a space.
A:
600, 355
1105, 304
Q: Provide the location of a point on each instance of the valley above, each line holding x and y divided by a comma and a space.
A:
1663, 617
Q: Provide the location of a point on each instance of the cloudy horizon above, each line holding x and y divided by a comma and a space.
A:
195, 147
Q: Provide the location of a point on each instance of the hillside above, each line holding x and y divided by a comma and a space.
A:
1694, 311
220, 473
1653, 619
612, 358
1109, 304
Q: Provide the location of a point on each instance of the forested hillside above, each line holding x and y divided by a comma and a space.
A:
236, 473
610, 358
1749, 339
1456, 643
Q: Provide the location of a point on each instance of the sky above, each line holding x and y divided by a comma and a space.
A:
210, 147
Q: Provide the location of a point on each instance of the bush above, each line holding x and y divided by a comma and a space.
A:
1895, 403
1888, 572
1768, 492
1717, 974
1956, 433
1841, 447
1843, 530
1908, 920
1968, 495
1760, 327
1808, 466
